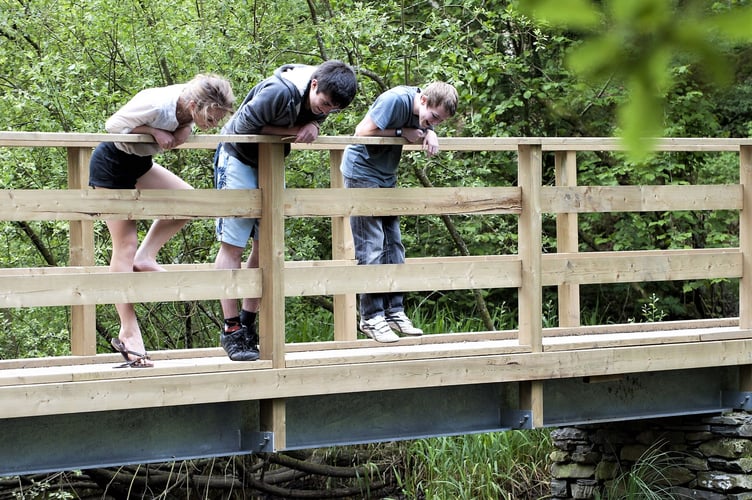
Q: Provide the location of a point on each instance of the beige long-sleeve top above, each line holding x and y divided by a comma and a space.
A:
155, 107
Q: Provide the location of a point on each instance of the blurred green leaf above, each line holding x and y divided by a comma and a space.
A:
734, 24
580, 14
597, 57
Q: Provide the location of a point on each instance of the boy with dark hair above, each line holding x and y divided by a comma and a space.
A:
295, 101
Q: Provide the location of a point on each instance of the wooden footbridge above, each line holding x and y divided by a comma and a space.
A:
77, 411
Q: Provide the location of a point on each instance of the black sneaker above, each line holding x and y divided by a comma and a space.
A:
234, 343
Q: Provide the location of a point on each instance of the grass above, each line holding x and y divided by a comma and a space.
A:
646, 479
501, 465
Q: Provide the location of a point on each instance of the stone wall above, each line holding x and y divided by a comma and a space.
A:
698, 457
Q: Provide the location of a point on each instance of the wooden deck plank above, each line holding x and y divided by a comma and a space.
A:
600, 341
62, 370
108, 370
401, 352
147, 388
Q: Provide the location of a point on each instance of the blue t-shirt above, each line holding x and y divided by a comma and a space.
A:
392, 109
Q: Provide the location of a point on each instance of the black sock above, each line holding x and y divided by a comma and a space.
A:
232, 324
247, 319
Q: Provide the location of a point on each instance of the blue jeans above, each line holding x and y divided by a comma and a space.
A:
377, 241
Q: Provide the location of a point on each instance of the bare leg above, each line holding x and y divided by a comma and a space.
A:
124, 244
228, 257
162, 230
252, 305
159, 233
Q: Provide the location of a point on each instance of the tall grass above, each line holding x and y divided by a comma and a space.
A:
647, 479
511, 465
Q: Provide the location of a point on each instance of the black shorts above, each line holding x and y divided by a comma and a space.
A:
111, 168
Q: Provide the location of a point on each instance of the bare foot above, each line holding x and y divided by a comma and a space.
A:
146, 265
135, 358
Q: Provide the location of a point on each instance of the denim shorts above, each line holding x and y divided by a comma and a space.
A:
231, 173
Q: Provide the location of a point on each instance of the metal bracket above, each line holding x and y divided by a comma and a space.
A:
737, 400
517, 419
261, 442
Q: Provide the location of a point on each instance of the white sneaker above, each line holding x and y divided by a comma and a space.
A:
399, 322
378, 329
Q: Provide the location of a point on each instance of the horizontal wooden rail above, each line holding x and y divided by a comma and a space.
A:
89, 204
688, 144
131, 204
640, 266
34, 287
590, 199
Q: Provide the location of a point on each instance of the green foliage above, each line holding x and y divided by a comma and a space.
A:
29, 335
651, 311
639, 42
311, 323
448, 312
505, 465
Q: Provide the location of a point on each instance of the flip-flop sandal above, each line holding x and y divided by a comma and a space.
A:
139, 362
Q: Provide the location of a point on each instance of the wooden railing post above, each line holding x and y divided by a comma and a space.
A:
530, 294
530, 297
81, 253
567, 239
745, 245
342, 248
272, 265
745, 236
272, 253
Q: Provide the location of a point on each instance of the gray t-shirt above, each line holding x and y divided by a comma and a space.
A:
392, 109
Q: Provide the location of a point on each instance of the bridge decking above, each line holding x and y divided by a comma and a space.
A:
33, 384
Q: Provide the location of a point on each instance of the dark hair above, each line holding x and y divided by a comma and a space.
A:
337, 81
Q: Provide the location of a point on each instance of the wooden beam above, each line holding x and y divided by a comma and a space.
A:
403, 201
531, 398
272, 266
529, 230
589, 199
343, 248
209, 141
131, 204
272, 253
448, 345
83, 330
567, 239
413, 276
35, 287
640, 265
57, 289
745, 236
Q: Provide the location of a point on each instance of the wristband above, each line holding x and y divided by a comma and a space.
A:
398, 132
